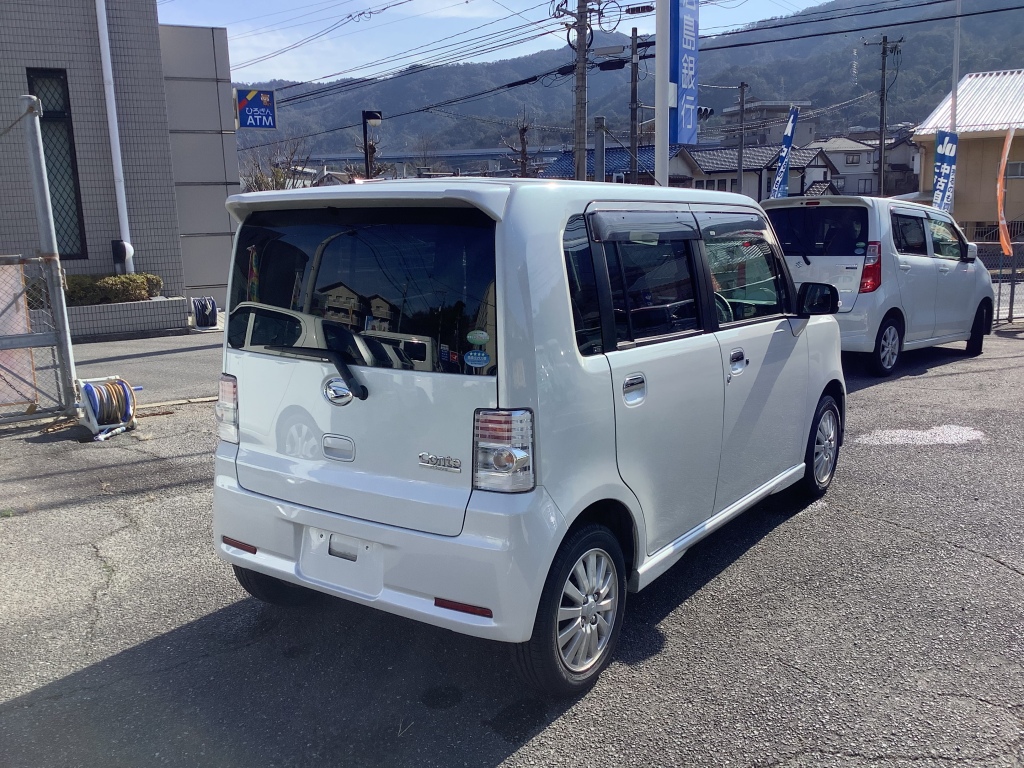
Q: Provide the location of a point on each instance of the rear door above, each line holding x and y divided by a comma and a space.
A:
824, 242
916, 271
666, 367
309, 283
765, 362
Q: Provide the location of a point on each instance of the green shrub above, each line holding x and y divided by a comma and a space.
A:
118, 288
83, 290
154, 284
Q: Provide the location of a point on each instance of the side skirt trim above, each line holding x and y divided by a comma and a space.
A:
655, 565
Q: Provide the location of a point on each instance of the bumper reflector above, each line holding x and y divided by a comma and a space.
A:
451, 605
239, 544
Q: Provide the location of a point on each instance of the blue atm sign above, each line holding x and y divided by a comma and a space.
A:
256, 109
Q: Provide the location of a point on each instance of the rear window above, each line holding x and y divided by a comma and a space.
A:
826, 230
399, 288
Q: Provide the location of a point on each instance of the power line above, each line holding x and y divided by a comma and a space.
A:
536, 78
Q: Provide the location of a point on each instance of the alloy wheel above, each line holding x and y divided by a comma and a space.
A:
586, 614
826, 440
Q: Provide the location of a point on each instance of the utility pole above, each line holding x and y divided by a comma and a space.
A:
580, 123
634, 106
599, 172
887, 48
956, 69
743, 121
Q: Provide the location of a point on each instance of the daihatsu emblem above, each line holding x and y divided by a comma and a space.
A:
337, 392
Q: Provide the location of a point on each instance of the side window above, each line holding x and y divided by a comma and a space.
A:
946, 242
650, 268
745, 274
579, 266
908, 235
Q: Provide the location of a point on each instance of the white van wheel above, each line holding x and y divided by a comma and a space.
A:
977, 340
579, 616
888, 346
822, 453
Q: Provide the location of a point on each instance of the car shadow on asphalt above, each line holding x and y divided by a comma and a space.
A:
912, 363
334, 683
641, 636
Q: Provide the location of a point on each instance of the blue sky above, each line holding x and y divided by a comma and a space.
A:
360, 38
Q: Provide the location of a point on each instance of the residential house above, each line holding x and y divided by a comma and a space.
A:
718, 169
989, 104
855, 162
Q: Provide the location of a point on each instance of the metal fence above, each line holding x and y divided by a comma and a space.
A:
36, 367
1007, 280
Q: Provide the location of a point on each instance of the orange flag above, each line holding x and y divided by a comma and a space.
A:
1004, 233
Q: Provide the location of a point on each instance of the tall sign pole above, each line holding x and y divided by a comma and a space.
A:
663, 89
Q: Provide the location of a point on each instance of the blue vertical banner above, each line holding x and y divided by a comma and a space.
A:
780, 186
682, 119
945, 170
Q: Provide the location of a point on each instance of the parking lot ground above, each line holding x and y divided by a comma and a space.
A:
880, 626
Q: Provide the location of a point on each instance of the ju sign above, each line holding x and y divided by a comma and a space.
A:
256, 109
945, 170
682, 120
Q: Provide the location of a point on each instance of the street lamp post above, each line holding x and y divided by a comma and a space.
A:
370, 117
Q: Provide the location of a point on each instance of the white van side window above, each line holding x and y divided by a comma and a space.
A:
744, 271
908, 235
579, 266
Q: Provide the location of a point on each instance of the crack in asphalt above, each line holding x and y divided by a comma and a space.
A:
953, 545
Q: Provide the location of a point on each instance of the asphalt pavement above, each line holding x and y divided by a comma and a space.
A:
880, 626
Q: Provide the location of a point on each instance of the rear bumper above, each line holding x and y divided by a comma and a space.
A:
856, 327
499, 560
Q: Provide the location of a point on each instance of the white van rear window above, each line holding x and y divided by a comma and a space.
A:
402, 288
825, 230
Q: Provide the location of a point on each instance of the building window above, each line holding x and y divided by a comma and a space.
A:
853, 158
721, 185
51, 87
1015, 170
732, 185
698, 184
865, 186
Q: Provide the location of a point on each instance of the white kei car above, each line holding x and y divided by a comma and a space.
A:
594, 377
907, 277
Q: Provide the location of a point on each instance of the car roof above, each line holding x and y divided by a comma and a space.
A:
489, 195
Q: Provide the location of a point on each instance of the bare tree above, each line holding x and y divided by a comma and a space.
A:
282, 165
521, 156
377, 169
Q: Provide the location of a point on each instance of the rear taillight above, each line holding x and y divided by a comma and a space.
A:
871, 277
503, 450
227, 409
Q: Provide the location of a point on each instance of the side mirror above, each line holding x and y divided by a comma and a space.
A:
972, 253
817, 299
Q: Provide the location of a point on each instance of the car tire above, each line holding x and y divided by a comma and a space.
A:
274, 591
573, 642
888, 347
977, 340
822, 453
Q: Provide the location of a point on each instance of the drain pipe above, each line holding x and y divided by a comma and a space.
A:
125, 244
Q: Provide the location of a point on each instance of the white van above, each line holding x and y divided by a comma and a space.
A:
621, 370
907, 277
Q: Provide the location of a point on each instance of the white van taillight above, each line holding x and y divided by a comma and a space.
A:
503, 450
227, 409
871, 277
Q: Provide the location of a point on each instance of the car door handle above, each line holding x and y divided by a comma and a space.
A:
943, 270
632, 384
904, 266
736, 356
